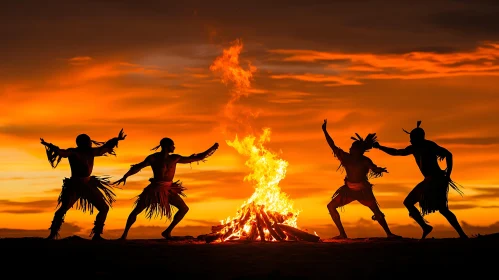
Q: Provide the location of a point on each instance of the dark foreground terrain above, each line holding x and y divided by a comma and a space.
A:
74, 258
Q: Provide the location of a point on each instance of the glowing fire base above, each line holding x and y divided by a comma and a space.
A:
256, 224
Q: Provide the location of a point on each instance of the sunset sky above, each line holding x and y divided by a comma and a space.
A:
367, 66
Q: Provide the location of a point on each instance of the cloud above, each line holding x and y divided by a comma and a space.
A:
79, 60
106, 30
319, 78
214, 175
53, 191
304, 191
102, 130
125, 202
215, 184
470, 206
27, 207
110, 70
203, 222
356, 68
35, 131
67, 229
17, 178
392, 188
473, 141
23, 211
485, 193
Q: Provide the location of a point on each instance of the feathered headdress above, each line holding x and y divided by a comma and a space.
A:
417, 127
366, 143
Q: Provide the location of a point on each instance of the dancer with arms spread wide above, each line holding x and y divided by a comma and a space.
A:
357, 186
432, 192
162, 193
82, 188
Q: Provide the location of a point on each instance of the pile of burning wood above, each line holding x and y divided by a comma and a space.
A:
256, 224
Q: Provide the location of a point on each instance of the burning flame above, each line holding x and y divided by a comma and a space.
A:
268, 209
267, 200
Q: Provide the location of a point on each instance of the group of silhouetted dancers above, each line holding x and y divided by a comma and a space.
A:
86, 191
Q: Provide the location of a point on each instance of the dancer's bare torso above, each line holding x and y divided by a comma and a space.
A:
163, 165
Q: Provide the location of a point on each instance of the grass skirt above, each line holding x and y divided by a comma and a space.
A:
434, 195
156, 198
84, 191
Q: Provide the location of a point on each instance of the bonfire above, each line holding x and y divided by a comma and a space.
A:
268, 215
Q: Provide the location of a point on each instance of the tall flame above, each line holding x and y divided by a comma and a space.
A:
267, 171
268, 206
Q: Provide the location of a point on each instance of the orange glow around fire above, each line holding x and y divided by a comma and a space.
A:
260, 216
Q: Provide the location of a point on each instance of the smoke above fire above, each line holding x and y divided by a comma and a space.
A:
228, 67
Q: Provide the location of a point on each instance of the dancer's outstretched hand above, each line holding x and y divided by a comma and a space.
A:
376, 145
43, 142
122, 180
122, 135
324, 124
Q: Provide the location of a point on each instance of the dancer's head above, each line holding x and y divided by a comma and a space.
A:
166, 144
83, 141
360, 145
417, 135
356, 148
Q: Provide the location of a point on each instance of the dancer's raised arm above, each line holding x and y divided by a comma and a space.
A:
198, 157
376, 171
54, 153
444, 153
134, 169
338, 152
409, 150
109, 145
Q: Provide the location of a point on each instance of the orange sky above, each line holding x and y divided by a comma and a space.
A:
70, 70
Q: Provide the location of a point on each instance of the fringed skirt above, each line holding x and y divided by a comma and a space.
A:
156, 198
362, 192
434, 195
86, 191
355, 191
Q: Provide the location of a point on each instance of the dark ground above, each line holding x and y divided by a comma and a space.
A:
74, 258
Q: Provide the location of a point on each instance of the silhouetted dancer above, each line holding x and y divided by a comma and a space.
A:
83, 189
432, 192
162, 193
359, 169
